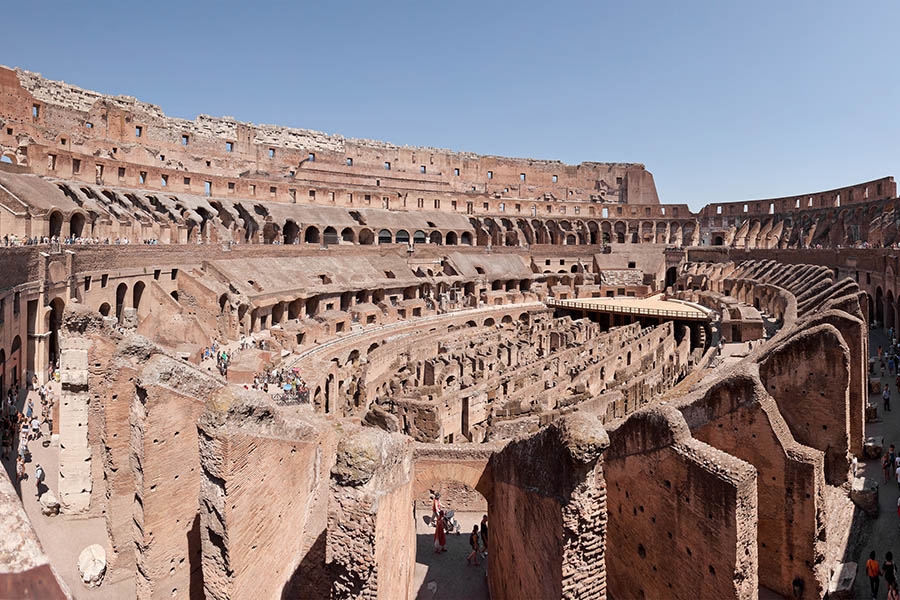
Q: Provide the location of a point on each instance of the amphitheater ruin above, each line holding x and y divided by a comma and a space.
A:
647, 402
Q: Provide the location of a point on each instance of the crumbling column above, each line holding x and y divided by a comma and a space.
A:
371, 547
74, 451
548, 513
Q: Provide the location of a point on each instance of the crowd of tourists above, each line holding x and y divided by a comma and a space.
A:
14, 240
18, 428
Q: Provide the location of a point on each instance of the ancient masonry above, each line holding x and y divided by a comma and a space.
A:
436, 304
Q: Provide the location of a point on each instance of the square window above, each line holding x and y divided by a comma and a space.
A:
162, 158
62, 141
555, 179
387, 166
88, 125
273, 190
76, 166
35, 111
164, 180
252, 189
229, 146
184, 139
521, 176
138, 131
207, 188
271, 152
9, 132
349, 162
456, 172
422, 169
143, 177
312, 194
187, 181
490, 174
230, 186
312, 157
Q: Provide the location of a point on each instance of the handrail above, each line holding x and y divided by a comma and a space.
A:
630, 310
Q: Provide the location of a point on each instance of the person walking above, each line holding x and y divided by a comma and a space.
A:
20, 469
484, 535
886, 396
436, 508
38, 480
893, 593
889, 570
440, 536
886, 466
473, 542
873, 570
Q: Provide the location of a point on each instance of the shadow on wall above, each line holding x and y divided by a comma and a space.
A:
310, 580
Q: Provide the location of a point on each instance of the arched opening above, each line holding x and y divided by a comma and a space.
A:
435, 238
136, 294
466, 238
402, 237
451, 238
347, 235
56, 220
76, 225
7, 159
718, 241
330, 235
311, 235
366, 237
174, 294
385, 237
121, 291
879, 305
419, 237
223, 302
291, 233
671, 276
57, 306
104, 309
15, 360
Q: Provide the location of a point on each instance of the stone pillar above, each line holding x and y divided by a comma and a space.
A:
74, 451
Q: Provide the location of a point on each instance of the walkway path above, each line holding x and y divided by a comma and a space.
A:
884, 534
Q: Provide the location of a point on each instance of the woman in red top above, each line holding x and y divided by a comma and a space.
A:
440, 536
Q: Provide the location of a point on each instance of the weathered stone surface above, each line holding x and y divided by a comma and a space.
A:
841, 585
49, 504
864, 493
92, 565
874, 447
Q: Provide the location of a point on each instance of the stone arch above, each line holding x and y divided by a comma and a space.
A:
291, 232
474, 473
402, 237
121, 291
56, 220
137, 292
348, 236
466, 238
435, 238
385, 237
76, 224
419, 237
104, 309
311, 235
451, 238
330, 236
366, 237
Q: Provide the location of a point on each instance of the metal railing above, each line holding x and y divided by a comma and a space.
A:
629, 310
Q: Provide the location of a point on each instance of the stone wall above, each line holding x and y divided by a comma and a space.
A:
548, 513
682, 514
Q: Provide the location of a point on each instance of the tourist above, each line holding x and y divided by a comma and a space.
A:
888, 569
435, 507
873, 570
35, 428
38, 480
886, 466
473, 542
484, 534
893, 593
440, 536
20, 469
886, 396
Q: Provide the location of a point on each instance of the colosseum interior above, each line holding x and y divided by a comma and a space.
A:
645, 401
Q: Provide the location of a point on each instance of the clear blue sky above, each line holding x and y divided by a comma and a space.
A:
722, 100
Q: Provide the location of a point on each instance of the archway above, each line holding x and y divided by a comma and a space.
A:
331, 236
76, 225
136, 294
402, 237
121, 290
15, 360
451, 238
291, 232
419, 237
671, 276
311, 235
366, 237
56, 221
104, 309
347, 235
57, 306
385, 237
879, 305
435, 237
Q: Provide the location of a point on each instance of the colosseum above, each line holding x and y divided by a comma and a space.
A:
255, 355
